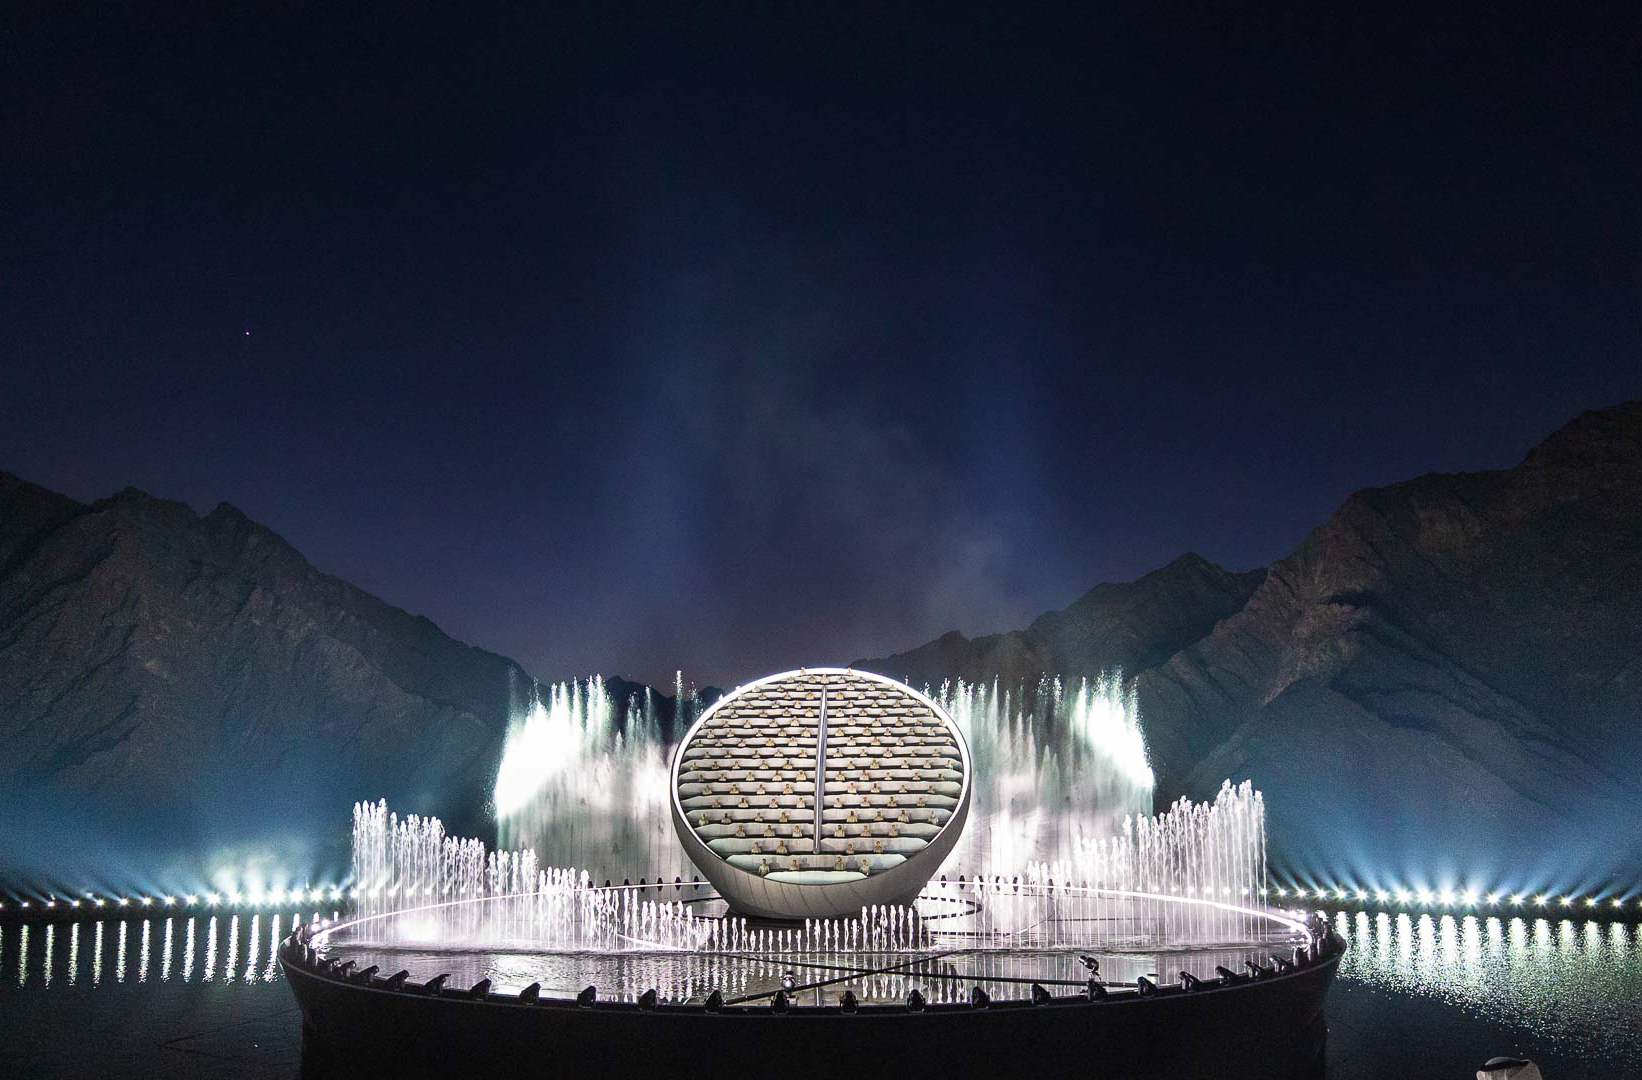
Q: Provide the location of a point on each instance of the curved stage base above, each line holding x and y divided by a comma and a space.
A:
1272, 1026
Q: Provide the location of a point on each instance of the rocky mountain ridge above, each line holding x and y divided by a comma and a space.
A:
1444, 677
170, 680
1127, 627
1446, 670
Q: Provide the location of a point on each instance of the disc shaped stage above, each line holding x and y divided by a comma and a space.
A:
818, 792
1266, 1024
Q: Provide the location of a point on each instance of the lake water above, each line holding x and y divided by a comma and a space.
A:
1418, 995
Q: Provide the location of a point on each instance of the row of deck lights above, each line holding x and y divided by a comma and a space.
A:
270, 898
1448, 898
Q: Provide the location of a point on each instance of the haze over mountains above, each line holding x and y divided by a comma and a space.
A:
1445, 677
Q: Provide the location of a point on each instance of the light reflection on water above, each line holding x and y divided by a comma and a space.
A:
238, 950
134, 951
1575, 985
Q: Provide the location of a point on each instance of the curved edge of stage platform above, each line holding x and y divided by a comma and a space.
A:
1266, 1024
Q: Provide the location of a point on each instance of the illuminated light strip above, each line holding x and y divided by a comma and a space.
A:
1463, 899
275, 898
1398, 896
1296, 925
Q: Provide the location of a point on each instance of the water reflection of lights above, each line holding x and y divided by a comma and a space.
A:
140, 949
1560, 977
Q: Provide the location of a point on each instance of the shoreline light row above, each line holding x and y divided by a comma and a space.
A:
45, 900
1425, 898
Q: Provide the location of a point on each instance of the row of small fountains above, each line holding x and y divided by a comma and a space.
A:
1324, 944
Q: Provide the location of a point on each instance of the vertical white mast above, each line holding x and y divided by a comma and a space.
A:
820, 763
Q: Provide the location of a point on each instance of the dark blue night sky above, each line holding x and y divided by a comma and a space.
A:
728, 341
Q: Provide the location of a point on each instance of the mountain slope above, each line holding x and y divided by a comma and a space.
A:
1447, 671
187, 680
1130, 626
1455, 661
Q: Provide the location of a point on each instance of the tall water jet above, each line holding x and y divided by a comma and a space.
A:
1194, 875
1054, 768
583, 778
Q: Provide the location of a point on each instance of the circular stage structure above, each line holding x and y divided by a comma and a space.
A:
819, 804
818, 792
940, 1009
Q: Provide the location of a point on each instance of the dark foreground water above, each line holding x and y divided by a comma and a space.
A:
1418, 995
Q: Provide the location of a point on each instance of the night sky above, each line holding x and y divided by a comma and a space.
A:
732, 341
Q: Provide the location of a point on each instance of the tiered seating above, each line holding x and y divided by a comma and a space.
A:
747, 780
892, 777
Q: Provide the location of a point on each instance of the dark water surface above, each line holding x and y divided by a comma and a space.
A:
1418, 995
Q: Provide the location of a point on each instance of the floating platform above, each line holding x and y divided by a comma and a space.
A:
1270, 1024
